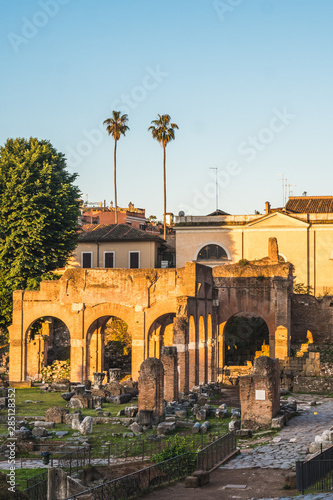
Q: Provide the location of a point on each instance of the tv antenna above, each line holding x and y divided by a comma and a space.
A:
284, 188
216, 186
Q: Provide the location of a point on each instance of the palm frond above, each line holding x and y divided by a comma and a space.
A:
116, 126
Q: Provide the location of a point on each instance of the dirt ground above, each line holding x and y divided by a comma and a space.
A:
260, 483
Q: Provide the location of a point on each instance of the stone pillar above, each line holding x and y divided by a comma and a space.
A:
114, 374
78, 345
202, 352
180, 335
35, 354
138, 345
192, 353
282, 297
209, 355
281, 342
168, 335
17, 340
273, 250
151, 387
98, 380
260, 394
169, 360
156, 346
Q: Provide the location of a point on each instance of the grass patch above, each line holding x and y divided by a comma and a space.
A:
21, 476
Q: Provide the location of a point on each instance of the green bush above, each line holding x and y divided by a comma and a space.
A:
57, 371
175, 446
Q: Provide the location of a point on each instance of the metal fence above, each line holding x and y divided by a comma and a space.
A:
37, 487
214, 453
75, 460
316, 473
146, 448
163, 473
133, 485
145, 479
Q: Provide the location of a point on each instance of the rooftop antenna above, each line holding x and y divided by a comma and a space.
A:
216, 187
290, 189
284, 188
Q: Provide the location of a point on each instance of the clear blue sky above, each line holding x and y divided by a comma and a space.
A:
248, 82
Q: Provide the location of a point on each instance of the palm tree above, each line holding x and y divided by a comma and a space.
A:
164, 132
116, 126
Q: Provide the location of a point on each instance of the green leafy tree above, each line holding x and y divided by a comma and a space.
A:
116, 126
163, 131
39, 210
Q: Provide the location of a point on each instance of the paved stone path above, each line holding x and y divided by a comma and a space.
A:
318, 496
293, 440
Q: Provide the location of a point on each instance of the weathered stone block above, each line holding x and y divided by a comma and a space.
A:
191, 482
203, 477
166, 427
47, 425
56, 414
278, 422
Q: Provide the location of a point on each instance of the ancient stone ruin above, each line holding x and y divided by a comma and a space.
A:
260, 394
151, 388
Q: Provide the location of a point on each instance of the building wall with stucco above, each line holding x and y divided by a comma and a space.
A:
121, 249
307, 244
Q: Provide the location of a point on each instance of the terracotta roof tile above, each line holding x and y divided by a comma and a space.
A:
115, 232
310, 204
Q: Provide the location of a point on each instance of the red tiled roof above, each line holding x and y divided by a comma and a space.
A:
115, 232
310, 204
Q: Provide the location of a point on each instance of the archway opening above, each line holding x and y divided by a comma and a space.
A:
48, 349
160, 334
109, 345
246, 336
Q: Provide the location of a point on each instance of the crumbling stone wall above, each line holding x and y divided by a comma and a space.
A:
310, 313
197, 298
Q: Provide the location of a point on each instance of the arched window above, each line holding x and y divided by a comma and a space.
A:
212, 252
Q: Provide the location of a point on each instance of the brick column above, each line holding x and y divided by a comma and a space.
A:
282, 289
17, 340
78, 345
209, 354
151, 386
220, 351
138, 345
192, 353
180, 336
202, 351
169, 360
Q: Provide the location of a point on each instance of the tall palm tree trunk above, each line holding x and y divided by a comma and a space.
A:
115, 180
164, 182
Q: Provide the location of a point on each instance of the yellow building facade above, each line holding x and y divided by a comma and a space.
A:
304, 239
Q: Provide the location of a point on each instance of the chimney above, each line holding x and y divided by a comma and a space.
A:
267, 207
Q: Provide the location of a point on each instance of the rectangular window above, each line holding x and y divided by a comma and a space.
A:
134, 260
109, 259
86, 260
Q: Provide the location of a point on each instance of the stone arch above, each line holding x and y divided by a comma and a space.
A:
246, 336
95, 345
160, 333
46, 339
125, 313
